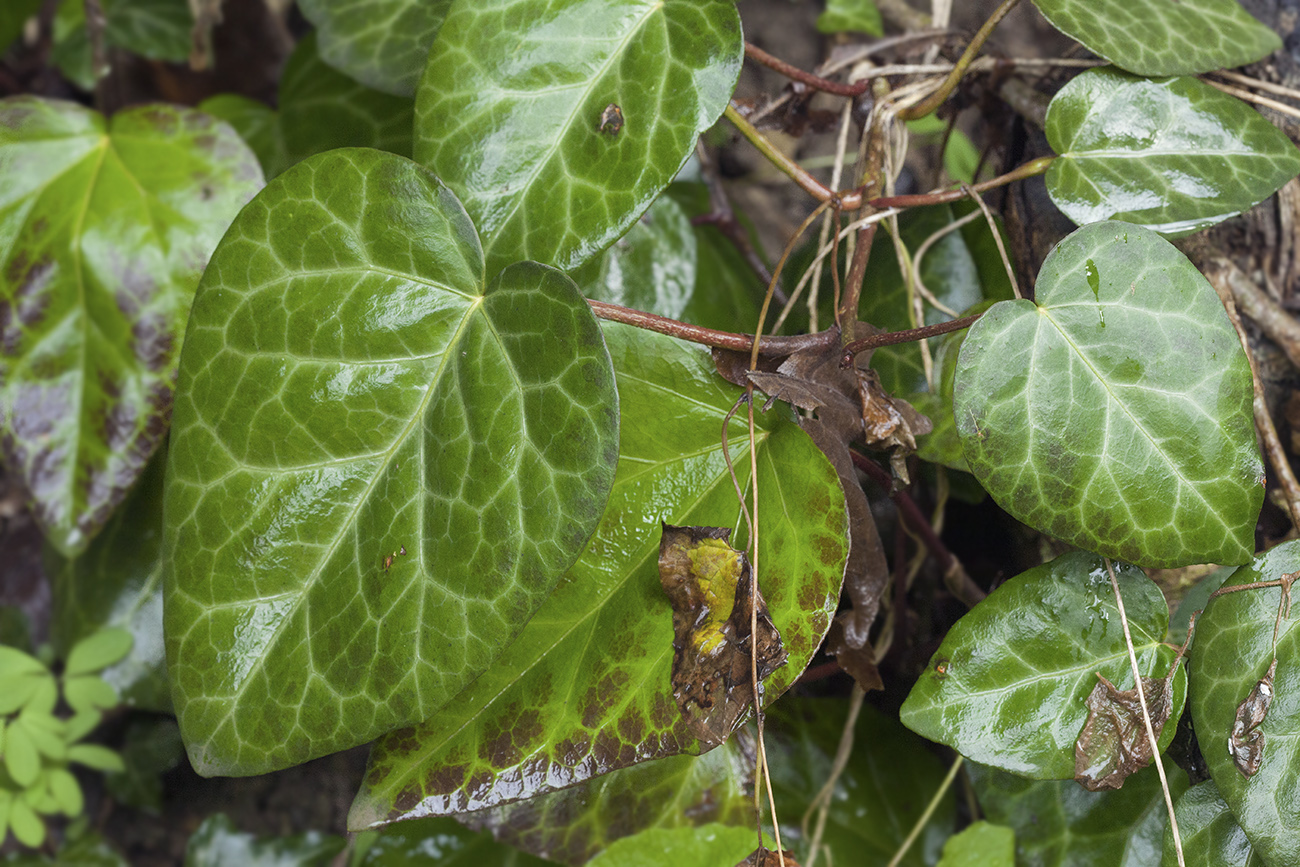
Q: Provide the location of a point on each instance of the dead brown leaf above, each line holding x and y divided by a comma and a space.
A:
709, 585
1113, 742
765, 857
1246, 743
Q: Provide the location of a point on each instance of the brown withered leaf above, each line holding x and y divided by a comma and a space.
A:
1113, 742
1246, 743
765, 857
709, 583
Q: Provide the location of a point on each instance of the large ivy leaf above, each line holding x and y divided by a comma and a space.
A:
575, 824
882, 792
118, 582
1233, 650
381, 43
1008, 684
381, 465
1210, 835
105, 227
1157, 38
1061, 824
585, 689
509, 113
320, 109
1176, 155
439, 841
1115, 413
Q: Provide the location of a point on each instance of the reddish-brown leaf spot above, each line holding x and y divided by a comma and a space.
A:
1113, 742
611, 120
709, 584
1246, 743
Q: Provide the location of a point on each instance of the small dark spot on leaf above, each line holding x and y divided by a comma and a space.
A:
1246, 742
611, 120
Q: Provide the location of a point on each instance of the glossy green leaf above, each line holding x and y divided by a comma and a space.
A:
1210, 835
1233, 649
980, 845
888, 782
320, 109
509, 114
1115, 413
1159, 38
118, 582
217, 843
413, 460
98, 651
380, 43
651, 268
858, 16
727, 292
585, 689
575, 824
1061, 824
1007, 686
105, 227
436, 842
1175, 155
669, 847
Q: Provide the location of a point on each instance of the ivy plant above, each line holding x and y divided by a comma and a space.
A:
359, 419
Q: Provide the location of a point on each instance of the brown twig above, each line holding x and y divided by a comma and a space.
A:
769, 346
847, 201
934, 100
891, 338
753, 52
939, 197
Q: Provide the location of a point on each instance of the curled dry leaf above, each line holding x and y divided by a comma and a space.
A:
1113, 742
1246, 743
709, 585
765, 857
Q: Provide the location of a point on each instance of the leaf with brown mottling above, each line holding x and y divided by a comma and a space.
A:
105, 227
1246, 743
715, 653
1113, 742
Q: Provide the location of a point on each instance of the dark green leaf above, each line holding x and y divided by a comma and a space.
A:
88, 850
670, 847
859, 16
980, 845
118, 582
381, 43
727, 292
1175, 155
14, 15
413, 461
1115, 413
888, 782
1008, 684
1061, 824
217, 843
511, 116
575, 824
1193, 601
1210, 835
585, 689
156, 29
152, 747
105, 227
941, 445
1232, 651
437, 842
651, 268
1158, 38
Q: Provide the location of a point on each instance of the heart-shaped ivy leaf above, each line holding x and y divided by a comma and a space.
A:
381, 465
1239, 626
1185, 37
105, 227
381, 43
1008, 684
1209, 833
1175, 155
514, 113
1115, 413
586, 688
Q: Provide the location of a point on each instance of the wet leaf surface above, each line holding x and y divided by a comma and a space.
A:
105, 227
1008, 684
586, 688
1182, 38
1114, 743
887, 784
1061, 824
415, 457
436, 842
381, 43
1175, 155
575, 824
118, 582
1210, 835
1115, 413
536, 89
1239, 627
716, 655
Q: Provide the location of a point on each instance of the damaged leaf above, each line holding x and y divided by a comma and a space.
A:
1114, 742
765, 857
1246, 743
711, 588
